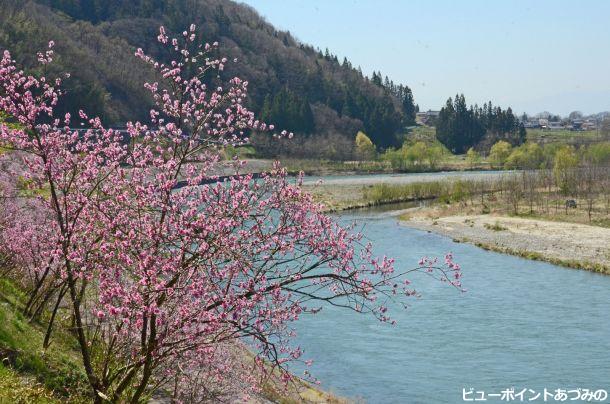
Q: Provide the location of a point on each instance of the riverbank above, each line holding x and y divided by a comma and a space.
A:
330, 168
492, 210
565, 243
339, 193
572, 245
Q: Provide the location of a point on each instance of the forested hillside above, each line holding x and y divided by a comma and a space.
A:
293, 85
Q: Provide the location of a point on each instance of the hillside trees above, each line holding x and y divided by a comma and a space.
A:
403, 94
162, 283
97, 38
501, 124
287, 110
382, 123
408, 106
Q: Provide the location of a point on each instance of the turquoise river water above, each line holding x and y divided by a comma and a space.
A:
521, 324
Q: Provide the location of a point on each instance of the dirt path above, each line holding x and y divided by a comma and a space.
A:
573, 245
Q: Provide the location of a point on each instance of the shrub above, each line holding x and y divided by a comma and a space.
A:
564, 164
365, 149
499, 153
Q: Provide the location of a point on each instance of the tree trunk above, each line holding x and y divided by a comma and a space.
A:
47, 336
41, 306
34, 293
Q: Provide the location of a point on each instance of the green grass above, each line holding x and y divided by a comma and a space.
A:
28, 374
17, 389
536, 256
563, 135
601, 222
422, 133
381, 193
445, 191
54, 373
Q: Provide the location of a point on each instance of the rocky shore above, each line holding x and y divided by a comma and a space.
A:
568, 244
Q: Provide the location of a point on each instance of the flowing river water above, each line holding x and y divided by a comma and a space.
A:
522, 324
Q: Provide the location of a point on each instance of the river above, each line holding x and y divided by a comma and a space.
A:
522, 324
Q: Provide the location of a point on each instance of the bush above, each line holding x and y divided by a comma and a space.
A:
499, 153
365, 149
529, 155
598, 154
565, 162
495, 227
472, 157
418, 155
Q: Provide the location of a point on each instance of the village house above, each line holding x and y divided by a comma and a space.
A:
427, 117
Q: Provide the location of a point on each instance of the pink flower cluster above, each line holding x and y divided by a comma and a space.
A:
160, 276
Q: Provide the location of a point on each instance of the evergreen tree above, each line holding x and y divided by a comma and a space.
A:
376, 79
460, 127
408, 106
522, 134
288, 111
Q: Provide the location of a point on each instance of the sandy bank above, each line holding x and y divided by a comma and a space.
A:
573, 245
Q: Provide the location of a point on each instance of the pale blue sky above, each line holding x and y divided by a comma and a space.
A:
531, 55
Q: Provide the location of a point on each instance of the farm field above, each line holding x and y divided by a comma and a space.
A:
564, 136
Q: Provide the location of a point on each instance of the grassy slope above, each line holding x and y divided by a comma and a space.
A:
27, 373
30, 375
17, 389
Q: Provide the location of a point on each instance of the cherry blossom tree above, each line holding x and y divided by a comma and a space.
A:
69, 166
168, 271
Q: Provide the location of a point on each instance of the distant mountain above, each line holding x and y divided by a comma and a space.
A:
293, 85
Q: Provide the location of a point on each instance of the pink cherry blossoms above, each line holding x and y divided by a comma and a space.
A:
164, 282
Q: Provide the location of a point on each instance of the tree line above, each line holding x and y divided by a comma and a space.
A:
534, 156
460, 127
404, 95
